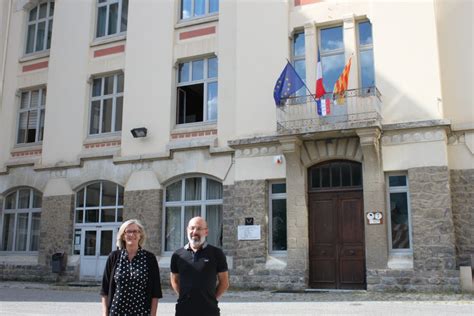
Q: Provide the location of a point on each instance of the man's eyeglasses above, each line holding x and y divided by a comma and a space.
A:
132, 232
196, 228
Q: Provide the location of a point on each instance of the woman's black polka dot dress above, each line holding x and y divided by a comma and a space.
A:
131, 281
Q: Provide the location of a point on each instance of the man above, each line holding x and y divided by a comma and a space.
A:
195, 268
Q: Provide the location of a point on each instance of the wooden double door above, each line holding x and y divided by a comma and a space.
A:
337, 250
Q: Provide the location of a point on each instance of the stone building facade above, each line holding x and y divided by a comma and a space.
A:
378, 194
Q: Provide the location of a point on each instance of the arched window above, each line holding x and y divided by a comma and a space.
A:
40, 26
99, 202
187, 198
21, 220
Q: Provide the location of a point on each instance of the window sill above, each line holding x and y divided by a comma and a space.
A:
99, 138
107, 40
194, 127
400, 261
27, 147
34, 56
19, 258
196, 21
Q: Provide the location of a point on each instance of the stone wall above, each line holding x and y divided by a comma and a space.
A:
462, 197
146, 206
37, 273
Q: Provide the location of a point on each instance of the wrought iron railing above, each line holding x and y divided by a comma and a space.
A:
299, 114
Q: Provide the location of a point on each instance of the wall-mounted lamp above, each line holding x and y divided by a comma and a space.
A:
139, 132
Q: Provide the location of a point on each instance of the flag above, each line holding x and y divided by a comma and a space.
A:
324, 108
288, 83
319, 79
340, 86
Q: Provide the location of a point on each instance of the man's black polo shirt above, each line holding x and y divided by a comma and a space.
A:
198, 276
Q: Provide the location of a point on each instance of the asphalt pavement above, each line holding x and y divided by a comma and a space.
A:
20, 298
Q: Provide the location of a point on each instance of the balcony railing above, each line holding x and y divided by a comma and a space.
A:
361, 108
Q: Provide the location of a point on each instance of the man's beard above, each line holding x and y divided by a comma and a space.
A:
196, 243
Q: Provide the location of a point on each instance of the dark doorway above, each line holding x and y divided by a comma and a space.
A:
336, 231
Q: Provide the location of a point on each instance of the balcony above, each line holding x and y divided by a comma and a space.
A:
299, 115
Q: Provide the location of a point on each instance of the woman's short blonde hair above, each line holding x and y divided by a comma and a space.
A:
121, 242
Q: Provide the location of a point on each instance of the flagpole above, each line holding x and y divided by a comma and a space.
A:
302, 81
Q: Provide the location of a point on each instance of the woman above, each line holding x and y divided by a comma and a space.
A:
131, 282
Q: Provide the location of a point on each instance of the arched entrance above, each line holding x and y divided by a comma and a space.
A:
336, 226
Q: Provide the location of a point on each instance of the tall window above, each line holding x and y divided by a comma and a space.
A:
366, 55
277, 216
197, 91
40, 26
198, 8
187, 198
111, 17
106, 104
21, 220
31, 116
331, 47
400, 215
298, 59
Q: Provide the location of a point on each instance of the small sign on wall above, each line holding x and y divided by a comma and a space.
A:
248, 232
374, 218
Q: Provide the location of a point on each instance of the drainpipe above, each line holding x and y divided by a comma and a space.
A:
4, 61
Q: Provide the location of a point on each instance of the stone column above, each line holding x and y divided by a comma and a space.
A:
376, 243
297, 209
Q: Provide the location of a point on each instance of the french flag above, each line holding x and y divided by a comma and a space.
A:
323, 109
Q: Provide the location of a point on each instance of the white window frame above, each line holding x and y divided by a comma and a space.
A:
183, 203
399, 189
333, 52
47, 19
275, 196
114, 96
205, 81
193, 17
16, 211
38, 108
108, 3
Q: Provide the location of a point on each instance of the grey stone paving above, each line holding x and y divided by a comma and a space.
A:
42, 299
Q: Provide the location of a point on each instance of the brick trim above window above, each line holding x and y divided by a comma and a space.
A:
194, 134
197, 33
109, 51
36, 66
102, 144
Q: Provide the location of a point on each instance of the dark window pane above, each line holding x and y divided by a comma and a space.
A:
397, 181
93, 194
24, 198
399, 221
40, 36
278, 188
101, 20
183, 75
113, 18
92, 216
124, 16
325, 177
192, 190
21, 232
42, 10
120, 196
80, 198
119, 215
346, 175
213, 190
90, 243
109, 193
31, 38
10, 201
336, 175
109, 85
118, 113
316, 178
106, 242
107, 116
79, 216
186, 9
97, 87
77, 241
34, 234
95, 117
33, 14
107, 216
356, 175
8, 229
279, 225
173, 192
50, 32
120, 82
36, 199
214, 223
51, 9
173, 228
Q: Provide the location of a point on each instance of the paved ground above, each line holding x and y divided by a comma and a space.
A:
42, 299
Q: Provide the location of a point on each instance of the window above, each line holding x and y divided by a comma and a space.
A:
106, 104
31, 116
331, 48
99, 202
191, 9
339, 174
400, 215
197, 91
277, 217
111, 17
188, 198
366, 55
298, 59
21, 220
40, 26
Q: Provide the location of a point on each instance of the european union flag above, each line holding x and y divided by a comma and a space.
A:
288, 83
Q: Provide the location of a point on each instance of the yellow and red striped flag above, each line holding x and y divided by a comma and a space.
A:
340, 86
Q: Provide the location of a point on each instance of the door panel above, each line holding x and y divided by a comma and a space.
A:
97, 245
337, 256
